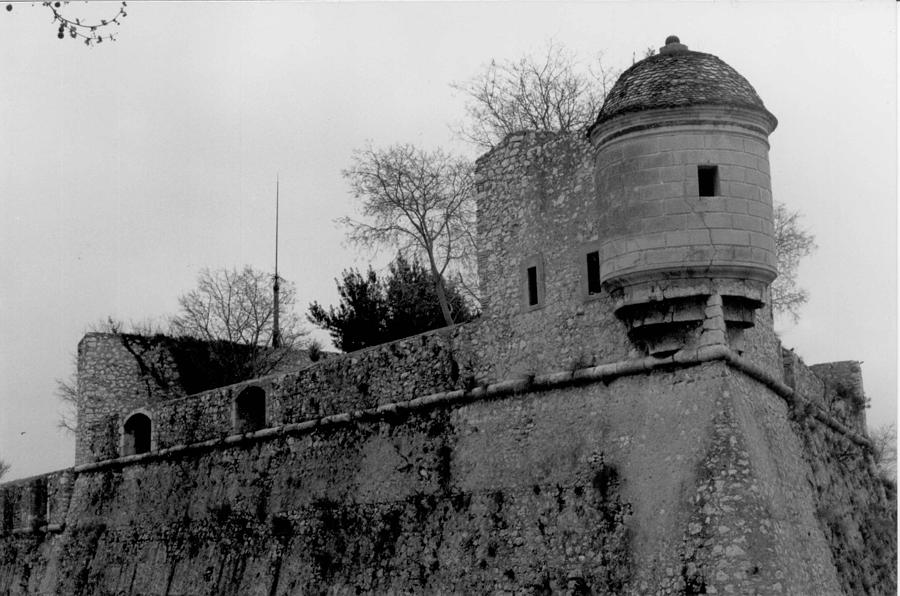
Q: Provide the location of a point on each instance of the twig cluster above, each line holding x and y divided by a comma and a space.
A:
88, 32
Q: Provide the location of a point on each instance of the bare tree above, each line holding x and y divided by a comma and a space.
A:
230, 313
236, 306
417, 202
67, 392
551, 91
4, 468
792, 243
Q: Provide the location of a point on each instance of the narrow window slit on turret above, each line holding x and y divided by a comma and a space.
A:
708, 180
532, 286
593, 272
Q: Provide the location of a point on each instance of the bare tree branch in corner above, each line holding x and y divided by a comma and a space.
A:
90, 30
792, 243
417, 202
553, 91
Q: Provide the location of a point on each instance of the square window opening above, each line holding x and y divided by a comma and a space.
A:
532, 286
593, 272
708, 180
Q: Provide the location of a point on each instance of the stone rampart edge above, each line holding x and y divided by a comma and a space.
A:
602, 372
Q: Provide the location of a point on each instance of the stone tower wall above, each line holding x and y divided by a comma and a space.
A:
535, 208
118, 374
652, 217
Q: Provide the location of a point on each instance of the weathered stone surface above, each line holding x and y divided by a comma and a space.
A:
647, 438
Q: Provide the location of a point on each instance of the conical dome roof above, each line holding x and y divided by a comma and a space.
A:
678, 77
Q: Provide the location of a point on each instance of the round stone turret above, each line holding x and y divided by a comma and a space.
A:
684, 199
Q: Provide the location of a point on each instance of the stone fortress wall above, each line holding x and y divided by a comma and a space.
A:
485, 481
620, 420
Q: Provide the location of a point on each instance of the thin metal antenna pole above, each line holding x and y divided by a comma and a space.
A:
276, 332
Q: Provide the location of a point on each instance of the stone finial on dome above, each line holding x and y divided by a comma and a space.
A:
673, 44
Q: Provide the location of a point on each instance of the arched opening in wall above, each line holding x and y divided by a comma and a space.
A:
250, 410
136, 434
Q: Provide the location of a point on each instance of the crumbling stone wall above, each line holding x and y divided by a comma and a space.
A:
587, 489
856, 512
536, 200
676, 481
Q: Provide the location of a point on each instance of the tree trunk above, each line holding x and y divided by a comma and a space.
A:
439, 288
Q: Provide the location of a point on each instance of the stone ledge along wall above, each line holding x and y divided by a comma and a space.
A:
672, 482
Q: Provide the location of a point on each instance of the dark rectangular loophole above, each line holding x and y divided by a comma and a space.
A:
708, 179
593, 272
532, 286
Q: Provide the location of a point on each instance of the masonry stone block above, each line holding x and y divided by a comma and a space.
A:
653, 225
762, 240
655, 160
741, 253
758, 179
756, 147
641, 178
646, 241
674, 173
748, 222
701, 253
675, 206
731, 173
760, 210
712, 219
692, 157
736, 205
730, 237
638, 147
723, 141
687, 237
645, 209
691, 187
741, 190
668, 142
664, 190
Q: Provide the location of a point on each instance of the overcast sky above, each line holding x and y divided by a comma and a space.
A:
127, 167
